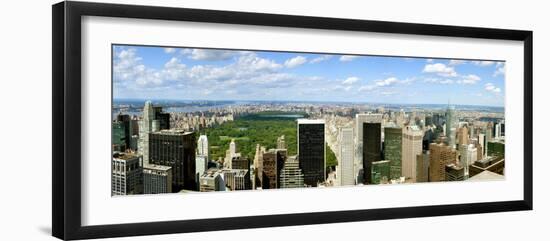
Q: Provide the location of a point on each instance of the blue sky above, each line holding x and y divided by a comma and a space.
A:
206, 74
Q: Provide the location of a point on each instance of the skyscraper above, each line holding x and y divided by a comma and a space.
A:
482, 139
125, 174
449, 119
371, 148
346, 172
440, 156
359, 120
273, 162
118, 137
464, 159
291, 175
380, 172
281, 144
157, 179
422, 167
311, 150
463, 138
258, 167
202, 146
163, 118
412, 146
145, 127
176, 149
201, 164
392, 150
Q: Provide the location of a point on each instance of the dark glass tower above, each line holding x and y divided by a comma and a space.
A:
371, 148
311, 150
164, 118
175, 149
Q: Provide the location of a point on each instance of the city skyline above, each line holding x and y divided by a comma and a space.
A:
142, 72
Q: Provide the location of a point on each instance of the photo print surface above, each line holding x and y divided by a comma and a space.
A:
191, 120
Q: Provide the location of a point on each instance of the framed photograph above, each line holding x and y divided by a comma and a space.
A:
172, 120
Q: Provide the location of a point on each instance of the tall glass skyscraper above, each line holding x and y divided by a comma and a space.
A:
392, 150
371, 148
311, 150
175, 149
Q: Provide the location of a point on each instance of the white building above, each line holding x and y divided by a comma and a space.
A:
146, 127
201, 164
411, 147
202, 146
346, 174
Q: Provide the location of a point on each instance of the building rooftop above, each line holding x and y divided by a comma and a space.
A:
157, 167
173, 132
125, 155
485, 176
311, 121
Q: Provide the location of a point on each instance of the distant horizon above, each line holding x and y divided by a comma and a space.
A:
299, 101
149, 72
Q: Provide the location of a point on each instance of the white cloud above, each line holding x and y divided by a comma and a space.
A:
386, 82
388, 93
348, 58
447, 81
483, 63
320, 59
439, 81
492, 88
454, 62
383, 83
440, 69
294, 62
469, 79
429, 60
350, 80
208, 54
499, 71
169, 50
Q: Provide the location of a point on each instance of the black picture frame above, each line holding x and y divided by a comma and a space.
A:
66, 119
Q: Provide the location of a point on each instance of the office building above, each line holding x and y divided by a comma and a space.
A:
157, 179
495, 148
463, 138
118, 136
163, 118
126, 172
393, 139
412, 146
422, 167
211, 181
291, 175
360, 119
454, 172
440, 156
449, 120
371, 148
145, 128
201, 164
281, 144
239, 162
380, 172
346, 173
273, 161
202, 147
176, 149
311, 150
